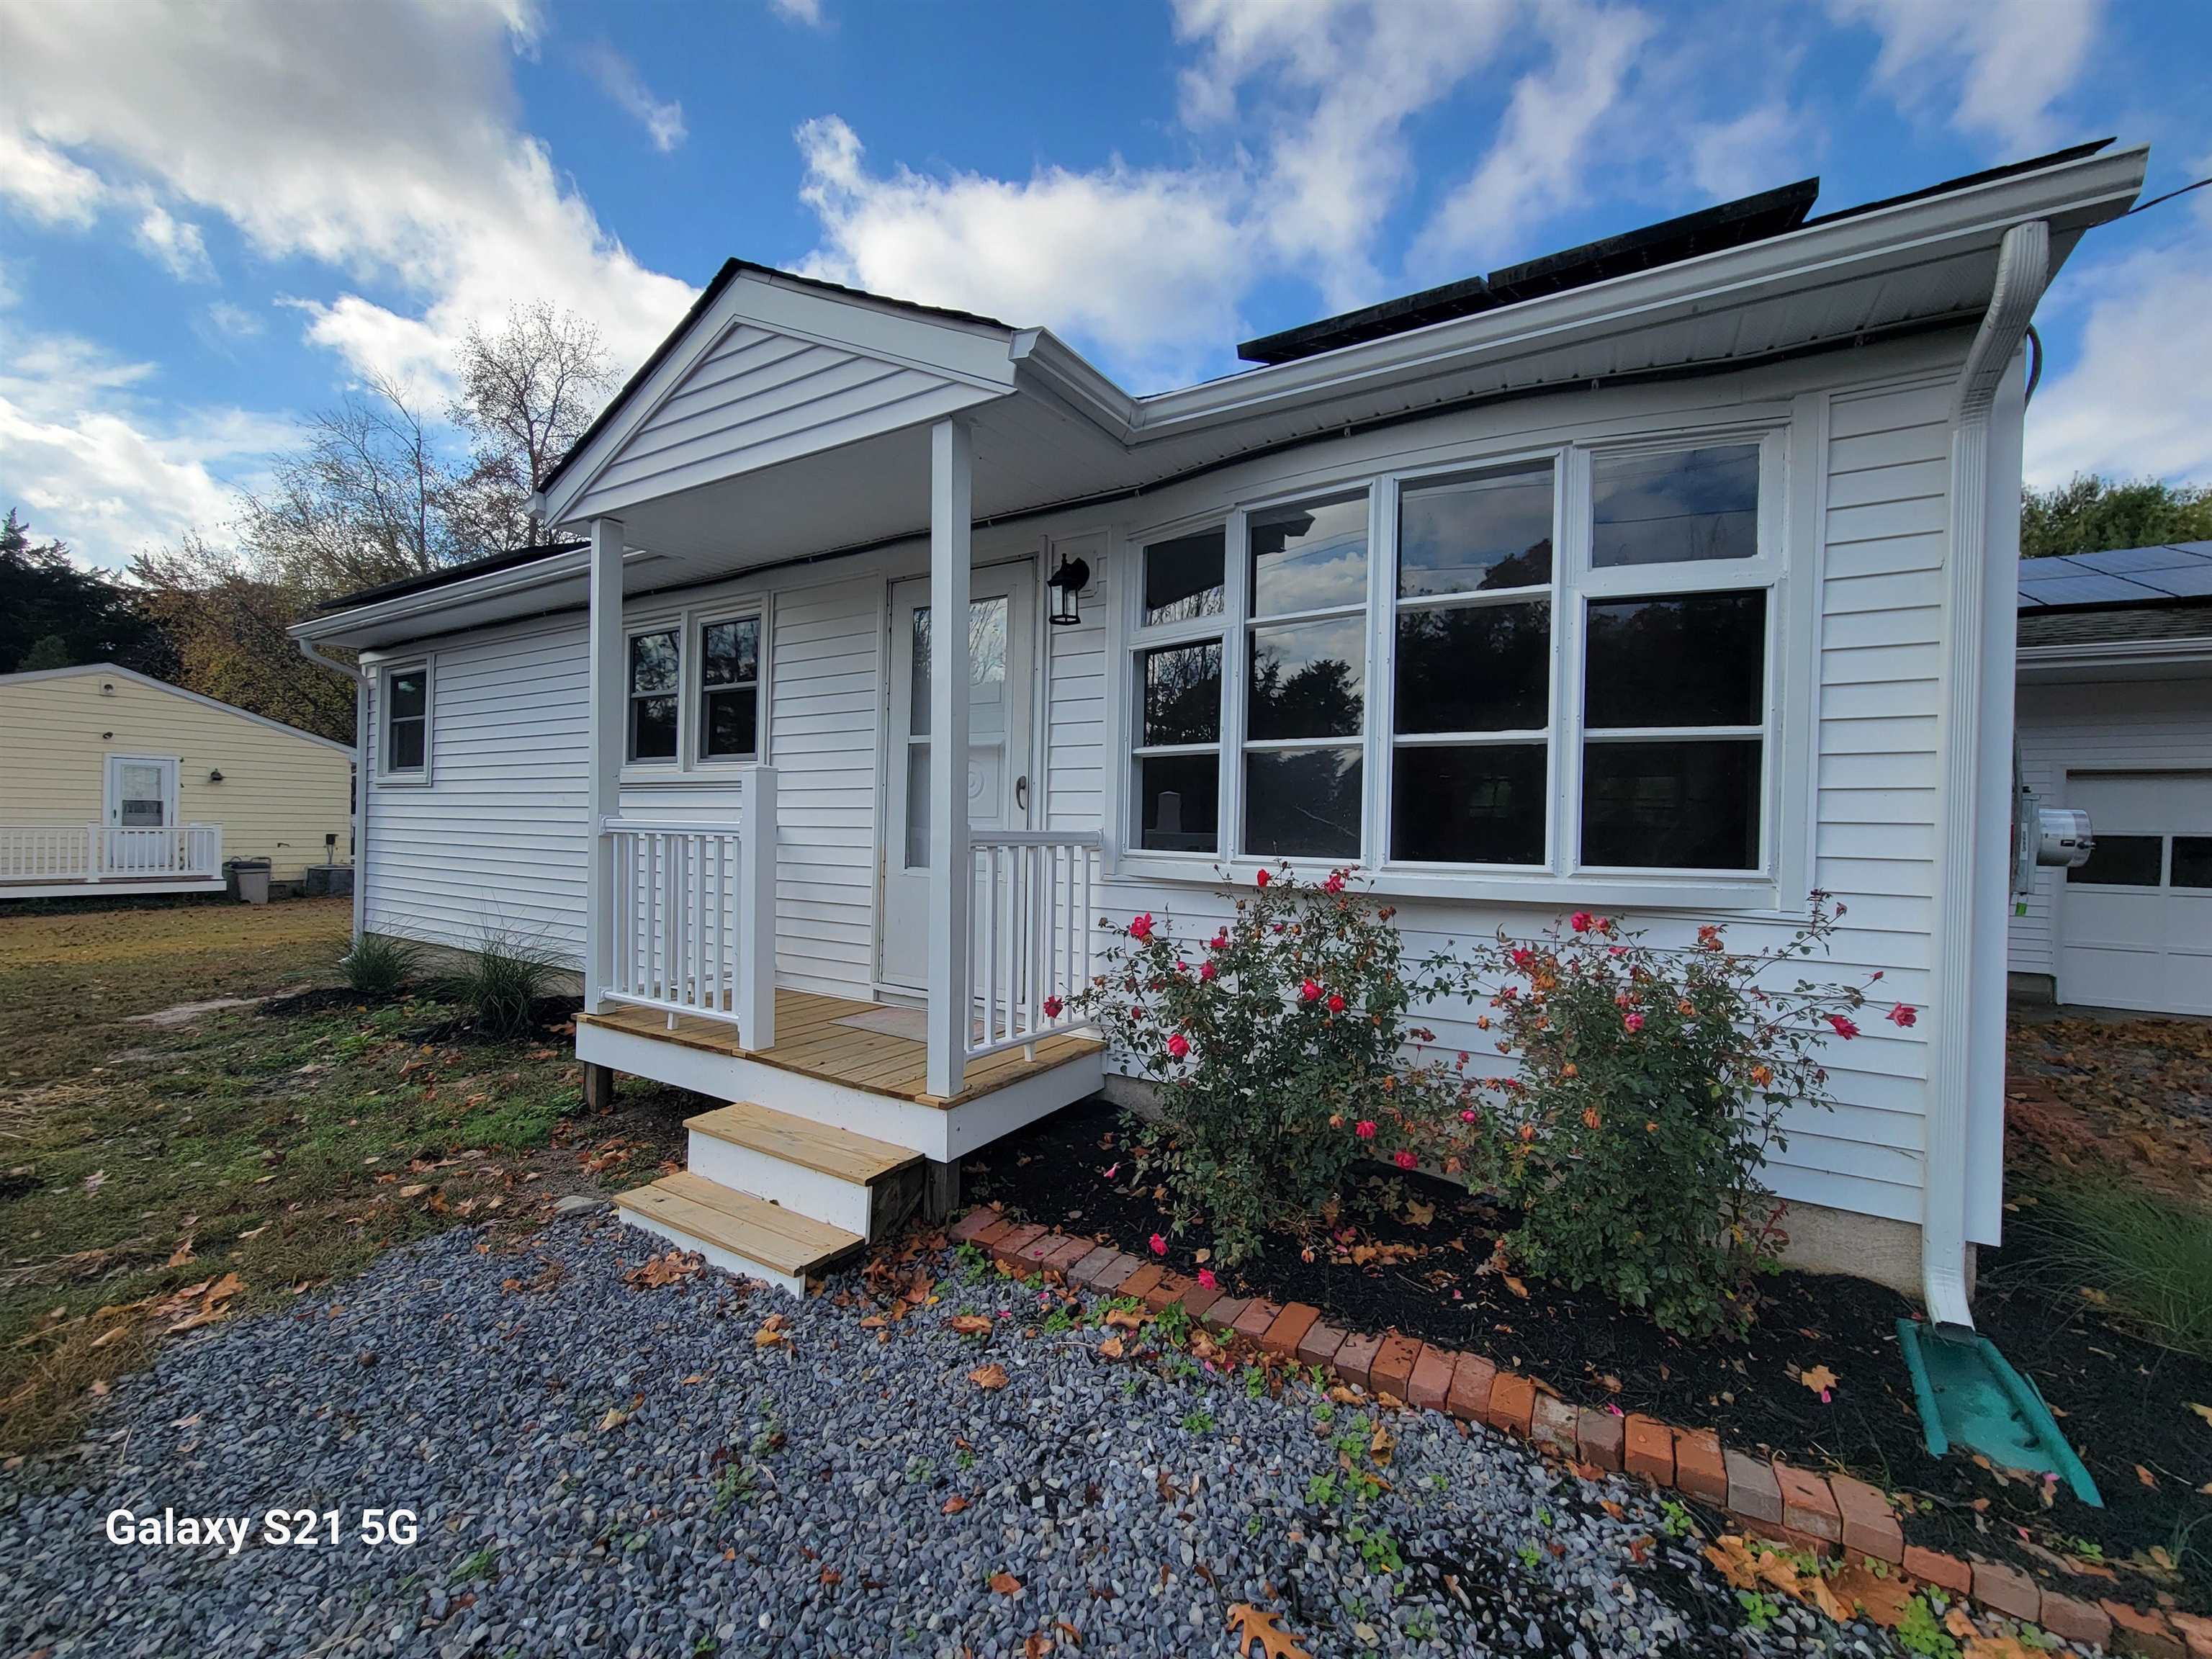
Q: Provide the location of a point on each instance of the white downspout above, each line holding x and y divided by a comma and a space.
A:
1958, 999
359, 778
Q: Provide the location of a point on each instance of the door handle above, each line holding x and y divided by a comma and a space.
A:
1022, 791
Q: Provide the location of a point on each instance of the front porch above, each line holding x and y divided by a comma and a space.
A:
78, 861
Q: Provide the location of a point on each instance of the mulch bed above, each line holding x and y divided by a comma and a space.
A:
324, 999
550, 1018
1411, 1263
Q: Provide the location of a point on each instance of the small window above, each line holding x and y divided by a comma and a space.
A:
1179, 803
1183, 577
407, 721
729, 690
1476, 534
1685, 507
1309, 558
2192, 861
1182, 694
652, 695
2123, 862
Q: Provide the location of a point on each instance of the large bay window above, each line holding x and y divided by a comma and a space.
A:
1559, 663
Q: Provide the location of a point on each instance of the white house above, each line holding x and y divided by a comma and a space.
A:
2115, 718
1671, 574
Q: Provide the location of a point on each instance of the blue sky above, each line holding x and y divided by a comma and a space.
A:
214, 219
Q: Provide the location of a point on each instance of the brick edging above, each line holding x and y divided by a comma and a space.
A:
1816, 1515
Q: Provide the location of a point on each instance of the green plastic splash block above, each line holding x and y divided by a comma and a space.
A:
1970, 1396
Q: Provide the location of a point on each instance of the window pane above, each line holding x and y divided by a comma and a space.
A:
1690, 505
1309, 680
1182, 694
1477, 806
407, 744
731, 722
653, 728
987, 641
1303, 804
1697, 660
1179, 803
1691, 806
2192, 860
917, 680
1491, 530
731, 651
2123, 862
917, 807
652, 662
1307, 558
1485, 668
407, 693
1182, 578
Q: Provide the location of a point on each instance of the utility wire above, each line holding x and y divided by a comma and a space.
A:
2142, 206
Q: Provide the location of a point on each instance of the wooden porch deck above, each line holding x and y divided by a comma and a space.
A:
811, 1040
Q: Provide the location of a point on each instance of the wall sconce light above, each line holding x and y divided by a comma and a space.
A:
215, 777
1070, 580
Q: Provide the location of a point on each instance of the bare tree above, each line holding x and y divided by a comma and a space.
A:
526, 394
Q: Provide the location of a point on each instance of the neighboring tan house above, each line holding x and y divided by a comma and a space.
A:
2115, 718
110, 779
1671, 574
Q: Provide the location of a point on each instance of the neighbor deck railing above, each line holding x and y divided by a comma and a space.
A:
1030, 908
694, 921
93, 853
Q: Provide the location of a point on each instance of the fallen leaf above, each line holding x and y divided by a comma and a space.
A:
1819, 1378
1516, 1286
771, 1333
970, 1324
1127, 1319
1005, 1583
992, 1376
2146, 1477
955, 1503
95, 1181
1036, 1646
829, 1576
1111, 1347
2204, 1412
1253, 1624
1069, 1631
614, 1419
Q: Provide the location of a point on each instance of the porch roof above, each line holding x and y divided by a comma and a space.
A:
786, 418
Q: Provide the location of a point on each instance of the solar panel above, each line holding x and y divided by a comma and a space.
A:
2118, 575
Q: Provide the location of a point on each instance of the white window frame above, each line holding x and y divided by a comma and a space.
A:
691, 653
413, 777
656, 765
1785, 567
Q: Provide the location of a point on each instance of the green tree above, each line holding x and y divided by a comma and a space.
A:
55, 614
2088, 514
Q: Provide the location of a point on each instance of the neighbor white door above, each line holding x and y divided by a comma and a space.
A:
1002, 614
2136, 922
141, 795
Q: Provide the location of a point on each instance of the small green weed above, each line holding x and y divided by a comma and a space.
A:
1919, 1632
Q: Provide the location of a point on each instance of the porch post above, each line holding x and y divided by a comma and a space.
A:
603, 791
951, 460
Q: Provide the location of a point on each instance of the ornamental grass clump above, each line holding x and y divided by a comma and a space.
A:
1276, 1041
1650, 1088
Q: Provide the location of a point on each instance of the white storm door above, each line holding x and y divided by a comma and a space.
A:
2135, 931
1002, 603
141, 794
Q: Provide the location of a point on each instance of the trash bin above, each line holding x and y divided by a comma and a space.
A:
248, 879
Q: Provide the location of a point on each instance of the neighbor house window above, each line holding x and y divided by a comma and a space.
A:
406, 749
653, 683
729, 690
1565, 690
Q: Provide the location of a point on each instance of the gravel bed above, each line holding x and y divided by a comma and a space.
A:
603, 1469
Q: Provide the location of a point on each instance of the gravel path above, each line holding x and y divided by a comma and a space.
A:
603, 1469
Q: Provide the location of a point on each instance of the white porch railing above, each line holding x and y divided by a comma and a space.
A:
93, 853
694, 923
1030, 906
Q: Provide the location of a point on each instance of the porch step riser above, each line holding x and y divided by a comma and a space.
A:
811, 1193
728, 1261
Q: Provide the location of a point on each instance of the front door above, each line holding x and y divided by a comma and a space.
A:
1000, 641
141, 795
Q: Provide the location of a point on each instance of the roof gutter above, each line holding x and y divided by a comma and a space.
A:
1966, 910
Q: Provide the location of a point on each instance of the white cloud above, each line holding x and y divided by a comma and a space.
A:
663, 119
1540, 164
233, 322
381, 142
174, 243
1755, 151
46, 183
1148, 263
1993, 67
2137, 400
90, 461
808, 12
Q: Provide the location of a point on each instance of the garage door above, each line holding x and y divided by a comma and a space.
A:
2137, 927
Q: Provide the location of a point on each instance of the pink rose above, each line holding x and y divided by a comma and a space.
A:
1365, 1128
1219, 942
1178, 1045
1467, 1114
1261, 880
1335, 1003
1634, 1022
1207, 1280
1309, 991
1903, 1015
1206, 970
1844, 1026
1141, 928
1159, 1245
1402, 1158
1335, 882
1580, 921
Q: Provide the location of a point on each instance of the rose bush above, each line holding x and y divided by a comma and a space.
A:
1276, 1040
1651, 1087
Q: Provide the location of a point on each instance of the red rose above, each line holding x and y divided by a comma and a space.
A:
1159, 1245
1844, 1026
1207, 1280
1206, 970
1309, 991
1335, 1003
1402, 1158
1261, 880
1580, 921
1141, 928
1634, 1022
1365, 1128
1178, 1045
1052, 1007
1903, 1015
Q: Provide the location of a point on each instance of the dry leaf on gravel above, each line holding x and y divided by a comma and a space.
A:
772, 1334
1126, 1318
992, 1376
1252, 1624
1005, 1583
955, 1503
664, 1269
970, 1324
1111, 1347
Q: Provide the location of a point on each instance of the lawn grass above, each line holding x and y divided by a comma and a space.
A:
2148, 1255
138, 1162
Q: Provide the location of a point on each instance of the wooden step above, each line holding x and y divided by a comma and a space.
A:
837, 1153
790, 1245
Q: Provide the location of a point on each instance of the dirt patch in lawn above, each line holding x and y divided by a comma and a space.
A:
157, 1177
1820, 1381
